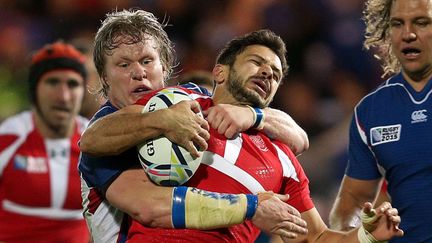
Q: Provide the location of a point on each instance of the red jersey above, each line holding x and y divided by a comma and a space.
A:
250, 163
40, 195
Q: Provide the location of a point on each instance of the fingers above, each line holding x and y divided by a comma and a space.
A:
368, 210
283, 197
192, 150
297, 226
195, 106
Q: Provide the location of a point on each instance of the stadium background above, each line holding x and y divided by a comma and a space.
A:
329, 70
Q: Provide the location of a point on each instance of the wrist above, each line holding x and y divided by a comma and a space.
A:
366, 237
258, 118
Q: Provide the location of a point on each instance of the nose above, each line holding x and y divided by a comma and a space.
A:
266, 71
409, 33
138, 72
64, 92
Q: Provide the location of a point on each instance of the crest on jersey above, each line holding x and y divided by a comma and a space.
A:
259, 142
385, 134
419, 116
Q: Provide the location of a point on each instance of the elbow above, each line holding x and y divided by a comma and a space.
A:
305, 141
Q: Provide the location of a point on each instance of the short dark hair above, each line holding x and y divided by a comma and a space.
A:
264, 37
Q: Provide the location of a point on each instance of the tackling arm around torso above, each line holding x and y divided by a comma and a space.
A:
128, 127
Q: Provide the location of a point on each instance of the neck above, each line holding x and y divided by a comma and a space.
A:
417, 81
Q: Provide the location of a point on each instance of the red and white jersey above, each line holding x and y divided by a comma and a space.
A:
40, 195
250, 163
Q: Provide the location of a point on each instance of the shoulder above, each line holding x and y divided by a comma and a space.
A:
382, 94
21, 123
82, 123
105, 109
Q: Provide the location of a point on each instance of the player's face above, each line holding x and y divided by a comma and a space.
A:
59, 97
411, 36
255, 76
132, 71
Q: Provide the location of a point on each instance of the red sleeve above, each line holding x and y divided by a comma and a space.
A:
297, 184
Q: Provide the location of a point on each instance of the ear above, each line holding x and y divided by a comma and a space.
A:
220, 73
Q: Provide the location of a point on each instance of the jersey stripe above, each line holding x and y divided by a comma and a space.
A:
52, 213
287, 166
229, 168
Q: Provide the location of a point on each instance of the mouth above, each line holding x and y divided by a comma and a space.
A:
141, 90
411, 52
261, 87
61, 110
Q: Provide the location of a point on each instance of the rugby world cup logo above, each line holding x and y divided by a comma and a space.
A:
385, 134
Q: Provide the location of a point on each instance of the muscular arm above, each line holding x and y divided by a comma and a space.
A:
230, 120
151, 205
128, 127
352, 195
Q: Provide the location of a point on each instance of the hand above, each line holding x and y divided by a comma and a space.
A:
229, 120
275, 216
382, 222
186, 128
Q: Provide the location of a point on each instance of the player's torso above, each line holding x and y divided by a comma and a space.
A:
38, 172
246, 164
398, 129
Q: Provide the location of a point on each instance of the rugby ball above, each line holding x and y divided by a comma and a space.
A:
166, 163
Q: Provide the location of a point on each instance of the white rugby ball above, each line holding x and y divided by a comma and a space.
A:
166, 163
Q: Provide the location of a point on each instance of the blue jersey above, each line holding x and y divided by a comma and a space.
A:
107, 223
390, 136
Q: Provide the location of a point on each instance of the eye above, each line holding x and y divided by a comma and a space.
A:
395, 23
422, 23
123, 65
52, 81
73, 83
256, 62
146, 62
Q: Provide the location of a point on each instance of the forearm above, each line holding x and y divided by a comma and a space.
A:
281, 126
119, 131
337, 236
345, 214
351, 197
180, 207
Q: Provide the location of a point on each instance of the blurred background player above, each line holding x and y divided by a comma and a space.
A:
390, 131
40, 199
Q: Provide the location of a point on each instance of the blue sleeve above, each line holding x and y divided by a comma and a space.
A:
100, 172
362, 164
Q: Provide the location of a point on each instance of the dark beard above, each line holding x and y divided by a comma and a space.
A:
242, 94
59, 130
